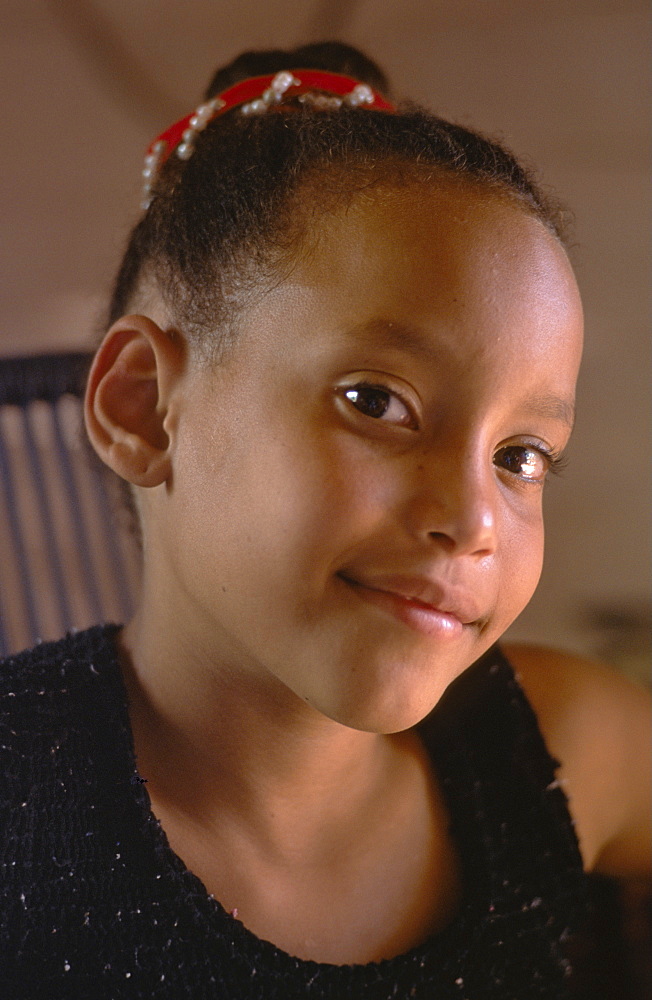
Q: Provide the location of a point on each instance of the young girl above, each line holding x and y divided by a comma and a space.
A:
340, 365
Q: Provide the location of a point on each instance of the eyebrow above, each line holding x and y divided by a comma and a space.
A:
553, 407
397, 336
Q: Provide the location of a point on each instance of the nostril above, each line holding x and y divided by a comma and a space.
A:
442, 537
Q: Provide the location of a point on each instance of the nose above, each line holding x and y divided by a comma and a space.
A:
455, 502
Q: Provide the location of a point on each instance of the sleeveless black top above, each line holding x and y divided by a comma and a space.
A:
93, 902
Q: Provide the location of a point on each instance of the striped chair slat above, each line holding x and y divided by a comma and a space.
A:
67, 556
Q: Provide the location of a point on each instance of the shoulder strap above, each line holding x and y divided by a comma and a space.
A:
510, 814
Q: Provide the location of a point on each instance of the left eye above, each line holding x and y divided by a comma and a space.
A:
524, 461
379, 403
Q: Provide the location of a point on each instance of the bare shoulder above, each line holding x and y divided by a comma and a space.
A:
597, 723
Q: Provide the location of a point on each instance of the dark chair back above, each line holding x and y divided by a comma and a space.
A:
67, 556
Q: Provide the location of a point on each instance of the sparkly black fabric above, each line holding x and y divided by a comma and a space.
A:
94, 904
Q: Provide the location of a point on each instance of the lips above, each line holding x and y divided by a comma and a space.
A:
426, 605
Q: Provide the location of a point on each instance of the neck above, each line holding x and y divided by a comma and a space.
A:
214, 741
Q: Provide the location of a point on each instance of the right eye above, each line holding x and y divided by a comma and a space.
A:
380, 403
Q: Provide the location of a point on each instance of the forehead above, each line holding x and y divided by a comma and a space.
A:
447, 228
469, 256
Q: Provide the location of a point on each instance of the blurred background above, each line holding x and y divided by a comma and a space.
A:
87, 83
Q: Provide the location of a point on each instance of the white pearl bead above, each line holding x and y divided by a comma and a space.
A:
361, 94
184, 151
283, 81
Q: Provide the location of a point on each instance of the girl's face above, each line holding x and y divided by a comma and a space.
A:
355, 509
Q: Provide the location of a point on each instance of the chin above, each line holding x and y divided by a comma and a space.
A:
383, 710
383, 723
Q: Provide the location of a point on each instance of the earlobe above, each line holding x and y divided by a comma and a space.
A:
128, 400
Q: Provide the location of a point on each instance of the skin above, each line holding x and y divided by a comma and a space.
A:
317, 569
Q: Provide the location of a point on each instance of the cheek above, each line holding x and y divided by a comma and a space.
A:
520, 564
353, 492
278, 503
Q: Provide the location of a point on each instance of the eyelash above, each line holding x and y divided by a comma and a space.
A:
557, 463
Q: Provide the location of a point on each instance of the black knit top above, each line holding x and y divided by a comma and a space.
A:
94, 903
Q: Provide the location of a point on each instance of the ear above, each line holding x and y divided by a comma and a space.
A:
128, 399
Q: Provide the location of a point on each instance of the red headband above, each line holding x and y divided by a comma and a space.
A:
327, 91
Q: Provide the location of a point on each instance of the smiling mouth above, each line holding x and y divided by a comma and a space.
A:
421, 616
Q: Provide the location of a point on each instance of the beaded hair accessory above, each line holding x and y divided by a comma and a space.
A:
254, 96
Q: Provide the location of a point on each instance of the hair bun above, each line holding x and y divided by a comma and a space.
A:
336, 57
